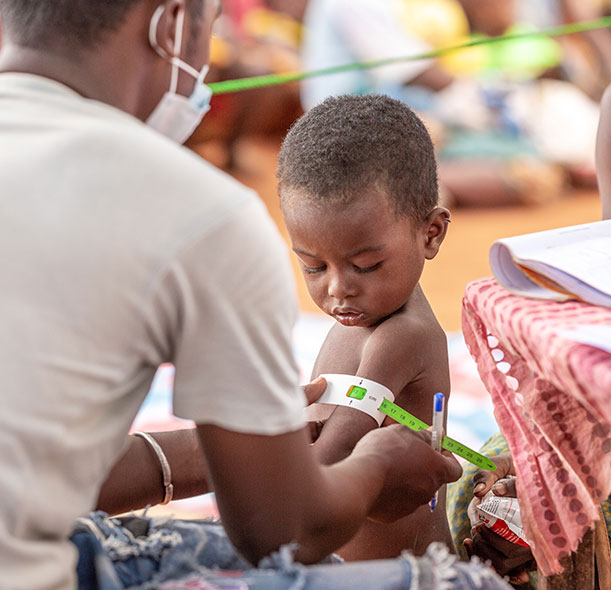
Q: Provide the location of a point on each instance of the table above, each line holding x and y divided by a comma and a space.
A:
552, 400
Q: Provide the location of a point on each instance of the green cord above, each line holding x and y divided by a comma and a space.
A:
240, 84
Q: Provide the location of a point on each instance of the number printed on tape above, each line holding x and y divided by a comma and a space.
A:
403, 417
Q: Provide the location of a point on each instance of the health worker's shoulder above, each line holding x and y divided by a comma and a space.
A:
113, 150
147, 159
166, 183
176, 198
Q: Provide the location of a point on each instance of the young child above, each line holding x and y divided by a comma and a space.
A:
358, 189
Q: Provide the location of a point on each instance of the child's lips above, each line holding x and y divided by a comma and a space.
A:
349, 317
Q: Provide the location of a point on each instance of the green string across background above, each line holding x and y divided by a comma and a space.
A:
228, 86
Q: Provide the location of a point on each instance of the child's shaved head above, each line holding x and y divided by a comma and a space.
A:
349, 143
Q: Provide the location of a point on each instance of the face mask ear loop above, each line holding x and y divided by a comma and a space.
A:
175, 60
185, 67
153, 33
180, 20
202, 74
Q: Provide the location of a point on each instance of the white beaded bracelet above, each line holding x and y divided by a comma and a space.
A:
165, 465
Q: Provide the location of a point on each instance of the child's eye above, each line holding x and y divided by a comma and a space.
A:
368, 268
313, 270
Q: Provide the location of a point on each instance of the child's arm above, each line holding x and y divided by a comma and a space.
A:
410, 358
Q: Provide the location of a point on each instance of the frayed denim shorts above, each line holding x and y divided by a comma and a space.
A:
142, 553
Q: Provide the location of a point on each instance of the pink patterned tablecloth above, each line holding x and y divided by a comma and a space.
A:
552, 399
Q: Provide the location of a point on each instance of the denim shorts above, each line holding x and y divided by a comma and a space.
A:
142, 553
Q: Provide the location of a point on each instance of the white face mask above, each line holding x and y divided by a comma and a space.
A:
177, 116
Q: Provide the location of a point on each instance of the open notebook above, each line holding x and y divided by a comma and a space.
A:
559, 264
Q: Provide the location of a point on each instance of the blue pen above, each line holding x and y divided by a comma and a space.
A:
437, 434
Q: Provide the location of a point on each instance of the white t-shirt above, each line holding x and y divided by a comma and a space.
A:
339, 32
120, 251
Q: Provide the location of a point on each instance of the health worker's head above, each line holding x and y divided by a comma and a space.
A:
358, 188
108, 46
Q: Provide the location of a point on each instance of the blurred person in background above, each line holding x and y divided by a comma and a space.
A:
252, 38
586, 58
603, 154
495, 121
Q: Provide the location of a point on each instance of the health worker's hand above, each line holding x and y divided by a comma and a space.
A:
313, 391
414, 470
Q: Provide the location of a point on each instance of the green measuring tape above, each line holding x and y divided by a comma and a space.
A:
227, 86
449, 444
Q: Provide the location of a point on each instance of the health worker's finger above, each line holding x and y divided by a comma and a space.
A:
424, 435
314, 389
453, 467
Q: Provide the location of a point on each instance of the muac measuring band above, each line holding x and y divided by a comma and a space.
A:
449, 444
240, 84
377, 400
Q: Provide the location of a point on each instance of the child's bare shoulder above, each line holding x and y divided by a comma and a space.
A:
404, 347
413, 326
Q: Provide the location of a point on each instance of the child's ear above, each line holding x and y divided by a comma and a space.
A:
435, 228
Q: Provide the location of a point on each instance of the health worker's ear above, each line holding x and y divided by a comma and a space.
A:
435, 229
166, 25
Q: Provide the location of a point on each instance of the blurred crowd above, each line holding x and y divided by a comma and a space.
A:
513, 121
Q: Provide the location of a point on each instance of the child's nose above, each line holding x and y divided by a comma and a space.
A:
339, 287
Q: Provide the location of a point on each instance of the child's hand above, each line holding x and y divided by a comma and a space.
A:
485, 480
415, 471
507, 558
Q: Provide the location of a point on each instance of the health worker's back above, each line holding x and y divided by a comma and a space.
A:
88, 224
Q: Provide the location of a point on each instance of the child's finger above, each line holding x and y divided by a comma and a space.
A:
521, 578
484, 479
468, 545
505, 487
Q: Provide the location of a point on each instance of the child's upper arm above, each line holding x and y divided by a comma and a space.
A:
395, 355
412, 362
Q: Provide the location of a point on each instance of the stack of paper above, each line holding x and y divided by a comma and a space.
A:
559, 264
